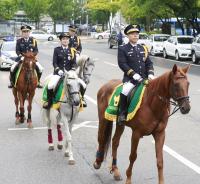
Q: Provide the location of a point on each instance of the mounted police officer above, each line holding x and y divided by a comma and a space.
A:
64, 58
75, 42
23, 45
134, 61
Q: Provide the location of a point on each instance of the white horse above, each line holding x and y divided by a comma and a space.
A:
68, 111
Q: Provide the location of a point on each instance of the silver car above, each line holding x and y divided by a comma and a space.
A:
7, 54
196, 50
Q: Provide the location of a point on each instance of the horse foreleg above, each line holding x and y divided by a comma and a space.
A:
134, 144
16, 100
159, 142
68, 144
21, 101
29, 108
47, 119
115, 143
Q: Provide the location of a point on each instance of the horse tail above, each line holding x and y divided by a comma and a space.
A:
105, 127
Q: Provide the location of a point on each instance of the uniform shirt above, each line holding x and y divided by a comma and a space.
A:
75, 42
132, 59
23, 45
64, 59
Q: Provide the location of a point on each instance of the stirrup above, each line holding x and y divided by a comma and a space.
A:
10, 86
46, 105
39, 86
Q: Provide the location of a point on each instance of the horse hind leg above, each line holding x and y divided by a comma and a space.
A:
115, 143
104, 138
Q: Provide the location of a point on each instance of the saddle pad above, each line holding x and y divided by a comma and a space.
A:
57, 97
135, 102
18, 73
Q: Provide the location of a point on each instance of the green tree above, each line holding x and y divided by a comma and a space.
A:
34, 9
105, 8
7, 9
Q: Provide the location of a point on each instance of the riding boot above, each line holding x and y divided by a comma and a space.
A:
48, 104
39, 74
12, 76
12, 80
122, 109
82, 91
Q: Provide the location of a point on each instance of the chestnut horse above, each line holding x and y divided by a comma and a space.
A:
25, 87
151, 118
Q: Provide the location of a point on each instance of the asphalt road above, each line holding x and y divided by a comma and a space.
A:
24, 155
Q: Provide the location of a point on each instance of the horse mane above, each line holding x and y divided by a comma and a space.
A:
159, 86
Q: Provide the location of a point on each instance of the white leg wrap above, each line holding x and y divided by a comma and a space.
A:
127, 87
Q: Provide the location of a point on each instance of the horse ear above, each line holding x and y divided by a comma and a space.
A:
175, 68
186, 69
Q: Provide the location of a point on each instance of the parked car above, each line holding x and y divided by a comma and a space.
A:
143, 39
41, 35
156, 43
7, 54
196, 50
102, 35
113, 40
178, 47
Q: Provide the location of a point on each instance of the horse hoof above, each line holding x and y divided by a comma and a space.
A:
60, 146
17, 122
51, 148
128, 182
30, 125
71, 162
96, 166
117, 177
66, 154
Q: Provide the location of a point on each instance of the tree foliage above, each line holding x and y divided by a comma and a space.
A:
7, 9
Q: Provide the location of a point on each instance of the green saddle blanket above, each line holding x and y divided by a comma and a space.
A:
58, 95
135, 102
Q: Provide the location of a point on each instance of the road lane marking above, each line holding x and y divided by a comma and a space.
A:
171, 152
180, 158
35, 128
91, 99
76, 126
108, 63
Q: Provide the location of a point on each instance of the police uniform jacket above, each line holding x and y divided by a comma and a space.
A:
134, 59
64, 59
75, 42
23, 46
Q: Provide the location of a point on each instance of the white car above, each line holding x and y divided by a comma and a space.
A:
102, 35
7, 54
156, 43
41, 35
178, 47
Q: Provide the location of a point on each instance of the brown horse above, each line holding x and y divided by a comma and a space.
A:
25, 87
151, 118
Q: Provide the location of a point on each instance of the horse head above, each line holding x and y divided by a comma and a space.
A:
29, 60
72, 87
179, 88
86, 66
